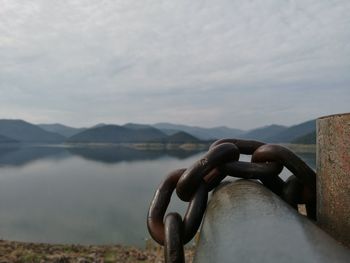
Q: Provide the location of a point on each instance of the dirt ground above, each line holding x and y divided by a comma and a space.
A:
11, 251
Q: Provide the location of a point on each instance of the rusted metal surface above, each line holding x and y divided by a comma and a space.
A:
222, 159
194, 175
333, 175
244, 146
248, 170
160, 202
293, 191
245, 222
173, 243
298, 167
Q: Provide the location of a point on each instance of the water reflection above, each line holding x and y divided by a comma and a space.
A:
83, 195
309, 158
80, 195
20, 155
118, 154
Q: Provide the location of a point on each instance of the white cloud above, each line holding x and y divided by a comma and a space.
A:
240, 63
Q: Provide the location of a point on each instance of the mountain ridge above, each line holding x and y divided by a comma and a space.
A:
62, 129
293, 132
130, 134
264, 133
22, 131
199, 132
117, 134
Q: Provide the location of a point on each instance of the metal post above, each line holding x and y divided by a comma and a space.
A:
246, 222
333, 175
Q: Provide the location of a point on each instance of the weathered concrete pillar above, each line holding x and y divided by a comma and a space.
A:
333, 175
246, 222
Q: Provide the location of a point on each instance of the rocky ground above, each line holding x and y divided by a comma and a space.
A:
32, 253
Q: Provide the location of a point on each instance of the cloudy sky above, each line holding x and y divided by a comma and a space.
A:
242, 64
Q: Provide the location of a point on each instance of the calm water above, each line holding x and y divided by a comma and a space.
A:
83, 195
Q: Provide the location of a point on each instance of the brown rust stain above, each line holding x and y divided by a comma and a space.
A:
333, 175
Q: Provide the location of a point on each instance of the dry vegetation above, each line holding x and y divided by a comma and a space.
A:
31, 252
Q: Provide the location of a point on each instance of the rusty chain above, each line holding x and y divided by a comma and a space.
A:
193, 185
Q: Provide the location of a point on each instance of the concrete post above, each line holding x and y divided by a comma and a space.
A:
333, 175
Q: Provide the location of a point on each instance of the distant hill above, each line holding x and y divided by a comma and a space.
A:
271, 133
4, 139
199, 132
294, 132
21, 131
130, 133
26, 132
136, 126
61, 129
173, 137
181, 137
299, 133
309, 138
99, 125
264, 133
118, 134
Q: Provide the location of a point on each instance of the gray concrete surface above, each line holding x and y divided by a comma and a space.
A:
245, 222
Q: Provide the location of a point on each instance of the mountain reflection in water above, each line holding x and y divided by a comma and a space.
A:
86, 195
19, 155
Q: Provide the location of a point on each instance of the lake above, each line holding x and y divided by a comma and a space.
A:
85, 195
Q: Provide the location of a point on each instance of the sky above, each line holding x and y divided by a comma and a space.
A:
241, 64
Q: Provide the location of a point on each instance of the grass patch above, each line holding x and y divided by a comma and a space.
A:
30, 258
110, 256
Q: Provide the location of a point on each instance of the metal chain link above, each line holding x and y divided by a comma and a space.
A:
193, 184
160, 202
173, 248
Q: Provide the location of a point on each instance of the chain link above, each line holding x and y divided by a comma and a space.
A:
193, 184
161, 200
173, 248
298, 167
194, 175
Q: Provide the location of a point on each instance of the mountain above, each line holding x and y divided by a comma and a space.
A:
99, 125
300, 133
26, 132
264, 133
136, 126
309, 138
293, 132
199, 132
21, 131
4, 139
173, 137
118, 134
64, 130
181, 137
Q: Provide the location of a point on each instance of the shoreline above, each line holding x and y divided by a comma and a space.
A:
151, 145
27, 252
300, 148
136, 146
